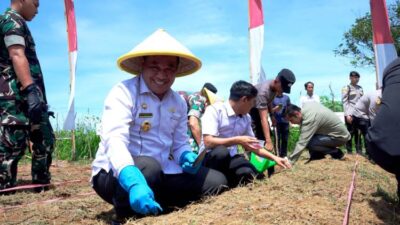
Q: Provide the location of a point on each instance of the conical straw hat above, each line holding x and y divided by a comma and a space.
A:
159, 43
212, 98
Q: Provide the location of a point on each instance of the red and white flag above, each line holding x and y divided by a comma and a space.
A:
385, 51
256, 33
69, 123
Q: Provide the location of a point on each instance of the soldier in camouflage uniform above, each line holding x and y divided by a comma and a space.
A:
196, 103
350, 95
23, 105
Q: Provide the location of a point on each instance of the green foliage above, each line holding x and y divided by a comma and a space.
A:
86, 140
357, 42
294, 133
335, 106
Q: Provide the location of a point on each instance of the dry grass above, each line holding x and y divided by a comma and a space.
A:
313, 193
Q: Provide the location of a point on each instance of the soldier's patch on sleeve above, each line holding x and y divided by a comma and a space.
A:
14, 40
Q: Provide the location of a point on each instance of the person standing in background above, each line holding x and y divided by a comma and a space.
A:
350, 95
279, 105
310, 96
23, 104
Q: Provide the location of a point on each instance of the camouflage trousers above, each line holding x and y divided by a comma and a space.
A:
14, 139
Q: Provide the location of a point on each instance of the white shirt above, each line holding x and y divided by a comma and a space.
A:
122, 134
220, 120
307, 98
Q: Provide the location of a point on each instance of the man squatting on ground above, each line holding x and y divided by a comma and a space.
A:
23, 103
383, 137
227, 125
144, 162
321, 131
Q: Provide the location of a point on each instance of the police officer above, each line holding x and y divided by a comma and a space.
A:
23, 104
383, 136
350, 95
365, 111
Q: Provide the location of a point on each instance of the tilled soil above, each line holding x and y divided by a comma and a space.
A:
312, 193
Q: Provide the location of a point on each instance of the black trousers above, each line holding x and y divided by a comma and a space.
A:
353, 130
321, 145
389, 163
362, 125
256, 123
283, 136
170, 190
237, 169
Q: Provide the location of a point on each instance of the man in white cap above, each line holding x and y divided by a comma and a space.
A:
144, 160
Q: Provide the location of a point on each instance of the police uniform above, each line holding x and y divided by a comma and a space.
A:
365, 111
383, 136
350, 95
264, 99
16, 129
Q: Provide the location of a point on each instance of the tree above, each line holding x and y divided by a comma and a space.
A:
357, 42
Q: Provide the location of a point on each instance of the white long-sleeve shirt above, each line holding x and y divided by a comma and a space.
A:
128, 106
306, 98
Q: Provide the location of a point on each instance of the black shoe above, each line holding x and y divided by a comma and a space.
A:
338, 154
40, 189
316, 156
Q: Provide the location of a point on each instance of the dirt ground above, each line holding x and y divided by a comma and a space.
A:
313, 193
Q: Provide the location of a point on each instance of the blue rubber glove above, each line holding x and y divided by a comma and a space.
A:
141, 197
186, 161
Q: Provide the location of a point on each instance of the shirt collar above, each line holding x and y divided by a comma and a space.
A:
10, 10
229, 109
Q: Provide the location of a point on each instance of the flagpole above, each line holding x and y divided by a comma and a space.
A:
73, 143
71, 80
251, 76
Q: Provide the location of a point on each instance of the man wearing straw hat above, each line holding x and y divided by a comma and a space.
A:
144, 161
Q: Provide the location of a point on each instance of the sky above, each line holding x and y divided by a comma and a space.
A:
299, 35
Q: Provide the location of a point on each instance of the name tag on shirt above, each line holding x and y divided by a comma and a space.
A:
145, 115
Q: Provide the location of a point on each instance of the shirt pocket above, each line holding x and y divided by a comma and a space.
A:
174, 120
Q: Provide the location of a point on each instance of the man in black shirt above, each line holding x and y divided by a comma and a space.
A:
383, 142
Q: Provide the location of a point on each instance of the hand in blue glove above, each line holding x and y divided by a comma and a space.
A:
141, 197
186, 161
